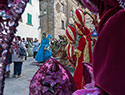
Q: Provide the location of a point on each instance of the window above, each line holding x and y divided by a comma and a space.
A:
63, 25
62, 7
29, 19
30, 1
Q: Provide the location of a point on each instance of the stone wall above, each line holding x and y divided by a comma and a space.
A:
47, 16
65, 15
57, 12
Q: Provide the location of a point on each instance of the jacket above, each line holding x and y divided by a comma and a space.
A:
15, 56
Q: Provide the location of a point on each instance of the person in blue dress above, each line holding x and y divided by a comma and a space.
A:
44, 52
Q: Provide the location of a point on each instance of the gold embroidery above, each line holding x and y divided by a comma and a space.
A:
86, 52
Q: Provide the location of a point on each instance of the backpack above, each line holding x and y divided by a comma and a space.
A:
22, 51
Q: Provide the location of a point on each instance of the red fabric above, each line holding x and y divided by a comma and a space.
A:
106, 16
109, 53
70, 61
87, 31
83, 29
74, 34
70, 38
78, 74
73, 31
81, 44
80, 16
83, 15
90, 46
105, 5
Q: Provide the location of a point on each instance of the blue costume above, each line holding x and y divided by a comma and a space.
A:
44, 52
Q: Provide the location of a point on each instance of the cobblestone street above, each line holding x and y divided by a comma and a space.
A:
20, 86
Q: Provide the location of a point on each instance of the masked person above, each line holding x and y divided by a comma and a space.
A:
44, 52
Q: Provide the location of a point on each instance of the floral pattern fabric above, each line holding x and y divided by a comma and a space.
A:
52, 79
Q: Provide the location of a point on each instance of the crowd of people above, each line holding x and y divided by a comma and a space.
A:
18, 55
39, 51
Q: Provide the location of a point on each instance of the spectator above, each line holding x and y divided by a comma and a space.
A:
26, 45
29, 49
35, 47
9, 61
18, 58
25, 42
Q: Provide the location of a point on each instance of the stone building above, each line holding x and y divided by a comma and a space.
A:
56, 15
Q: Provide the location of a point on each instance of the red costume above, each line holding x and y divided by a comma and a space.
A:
85, 31
109, 51
78, 74
71, 36
89, 39
82, 46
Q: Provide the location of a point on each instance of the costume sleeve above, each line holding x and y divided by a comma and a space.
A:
109, 55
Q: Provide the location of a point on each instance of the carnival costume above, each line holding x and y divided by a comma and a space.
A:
83, 50
44, 52
10, 14
52, 79
109, 50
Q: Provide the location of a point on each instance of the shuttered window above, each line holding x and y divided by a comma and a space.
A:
29, 19
30, 1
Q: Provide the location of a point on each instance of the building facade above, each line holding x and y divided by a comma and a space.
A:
29, 24
56, 15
